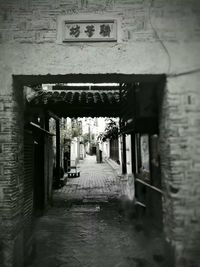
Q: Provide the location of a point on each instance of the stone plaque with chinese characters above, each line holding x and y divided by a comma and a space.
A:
90, 31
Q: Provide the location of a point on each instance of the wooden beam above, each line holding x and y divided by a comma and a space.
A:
36, 126
123, 136
53, 115
149, 186
124, 168
46, 122
32, 80
133, 152
85, 88
57, 153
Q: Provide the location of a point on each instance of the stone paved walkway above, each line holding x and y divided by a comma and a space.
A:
94, 236
97, 182
93, 232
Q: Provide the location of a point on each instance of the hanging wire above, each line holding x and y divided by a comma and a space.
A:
172, 75
158, 38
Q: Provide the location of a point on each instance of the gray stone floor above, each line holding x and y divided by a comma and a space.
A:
97, 181
94, 233
90, 236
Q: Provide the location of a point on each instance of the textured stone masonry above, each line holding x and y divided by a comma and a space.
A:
35, 21
11, 174
181, 179
28, 46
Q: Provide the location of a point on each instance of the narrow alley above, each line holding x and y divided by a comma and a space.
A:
118, 79
97, 183
91, 228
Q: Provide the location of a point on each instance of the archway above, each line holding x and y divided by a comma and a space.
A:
137, 100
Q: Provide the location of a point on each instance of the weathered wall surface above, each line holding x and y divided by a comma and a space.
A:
29, 37
157, 36
180, 149
11, 178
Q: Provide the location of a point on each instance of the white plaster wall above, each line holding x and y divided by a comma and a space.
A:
82, 151
143, 58
153, 37
74, 149
104, 146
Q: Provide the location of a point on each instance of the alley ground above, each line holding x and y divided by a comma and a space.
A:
97, 182
94, 231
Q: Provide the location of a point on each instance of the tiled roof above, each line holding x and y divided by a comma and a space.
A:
76, 97
75, 103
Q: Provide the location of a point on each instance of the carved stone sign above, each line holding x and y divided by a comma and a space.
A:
90, 31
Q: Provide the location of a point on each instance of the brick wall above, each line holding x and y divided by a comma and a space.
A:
11, 175
180, 167
28, 46
27, 21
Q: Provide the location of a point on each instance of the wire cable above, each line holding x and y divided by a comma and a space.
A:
173, 75
158, 38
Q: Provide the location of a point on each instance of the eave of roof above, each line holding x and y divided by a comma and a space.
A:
75, 97
78, 103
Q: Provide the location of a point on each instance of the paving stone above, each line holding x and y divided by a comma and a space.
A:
97, 182
88, 234
101, 238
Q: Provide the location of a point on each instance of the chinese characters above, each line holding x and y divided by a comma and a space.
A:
91, 30
105, 30
75, 31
